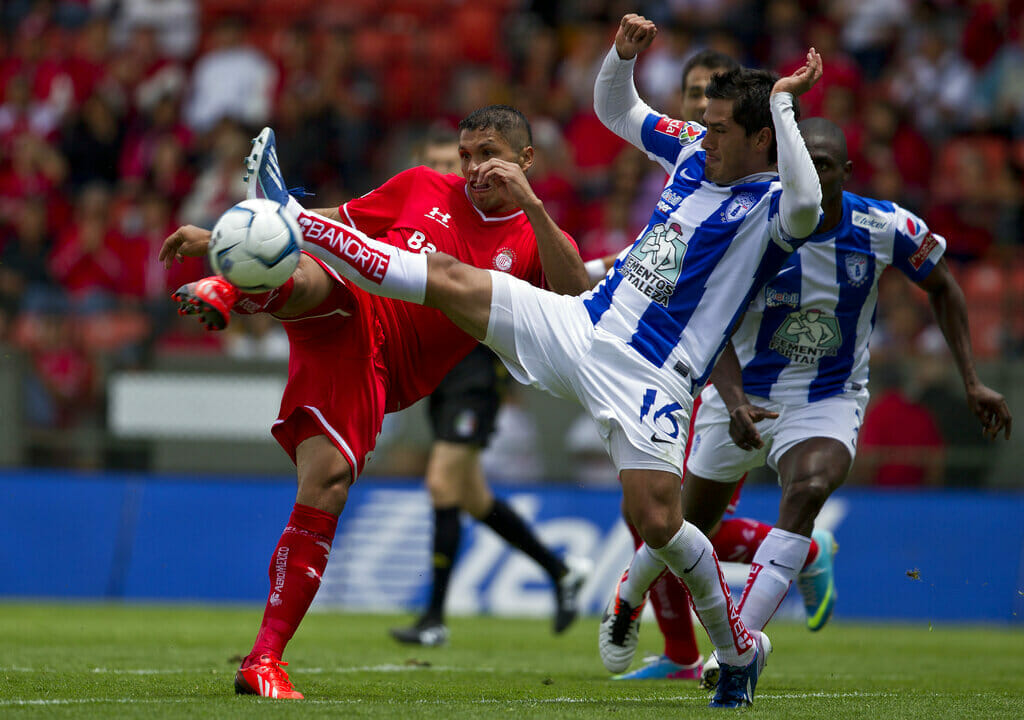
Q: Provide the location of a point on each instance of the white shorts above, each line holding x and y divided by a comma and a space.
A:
714, 456
546, 340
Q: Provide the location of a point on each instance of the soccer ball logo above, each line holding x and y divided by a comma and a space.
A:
255, 245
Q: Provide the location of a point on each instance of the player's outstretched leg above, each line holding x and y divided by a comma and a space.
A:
736, 683
816, 582
210, 298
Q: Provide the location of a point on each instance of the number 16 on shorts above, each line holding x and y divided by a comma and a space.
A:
666, 426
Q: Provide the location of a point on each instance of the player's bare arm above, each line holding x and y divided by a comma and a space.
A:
186, 241
950, 308
635, 34
563, 267
727, 377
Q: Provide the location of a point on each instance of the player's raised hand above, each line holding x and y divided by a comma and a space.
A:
635, 34
508, 178
990, 407
743, 425
804, 78
186, 241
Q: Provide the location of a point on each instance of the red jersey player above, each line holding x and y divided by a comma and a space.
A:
355, 356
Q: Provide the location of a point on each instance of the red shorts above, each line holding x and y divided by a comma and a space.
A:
337, 379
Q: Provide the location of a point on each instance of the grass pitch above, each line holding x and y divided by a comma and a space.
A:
103, 661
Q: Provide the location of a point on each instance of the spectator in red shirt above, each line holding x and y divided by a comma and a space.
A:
900, 443
85, 260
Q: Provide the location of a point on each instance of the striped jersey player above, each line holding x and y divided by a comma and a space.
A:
805, 336
797, 403
707, 249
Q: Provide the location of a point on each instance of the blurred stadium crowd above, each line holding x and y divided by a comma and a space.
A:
121, 120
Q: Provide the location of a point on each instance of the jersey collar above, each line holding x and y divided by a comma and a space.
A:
484, 216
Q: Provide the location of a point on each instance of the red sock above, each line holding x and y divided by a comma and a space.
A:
671, 604
812, 552
738, 539
268, 302
295, 571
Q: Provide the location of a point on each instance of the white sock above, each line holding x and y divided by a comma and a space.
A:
375, 266
294, 207
643, 570
775, 566
690, 555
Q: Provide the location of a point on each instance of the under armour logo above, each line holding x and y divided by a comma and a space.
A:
441, 217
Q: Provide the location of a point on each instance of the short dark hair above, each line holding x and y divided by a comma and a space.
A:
827, 134
511, 124
749, 90
440, 135
710, 59
437, 135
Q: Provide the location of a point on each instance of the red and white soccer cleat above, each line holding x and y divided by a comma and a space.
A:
265, 677
210, 298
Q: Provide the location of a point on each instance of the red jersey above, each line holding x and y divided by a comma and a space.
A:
356, 355
421, 210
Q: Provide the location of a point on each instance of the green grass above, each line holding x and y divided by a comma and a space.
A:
63, 660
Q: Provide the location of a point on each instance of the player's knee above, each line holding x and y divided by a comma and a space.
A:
336, 493
443, 491
477, 504
656, 525
446, 273
327, 491
451, 281
810, 490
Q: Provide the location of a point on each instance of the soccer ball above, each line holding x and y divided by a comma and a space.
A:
255, 245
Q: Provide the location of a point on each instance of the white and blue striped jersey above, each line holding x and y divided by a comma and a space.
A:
705, 252
805, 336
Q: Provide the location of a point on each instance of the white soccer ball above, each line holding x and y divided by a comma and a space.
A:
255, 245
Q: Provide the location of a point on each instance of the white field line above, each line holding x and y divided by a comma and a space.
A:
297, 671
479, 701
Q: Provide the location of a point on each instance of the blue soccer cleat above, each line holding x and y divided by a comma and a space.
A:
659, 667
736, 683
816, 582
262, 171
